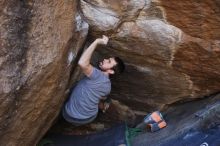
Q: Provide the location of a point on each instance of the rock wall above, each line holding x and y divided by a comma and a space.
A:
171, 49
39, 43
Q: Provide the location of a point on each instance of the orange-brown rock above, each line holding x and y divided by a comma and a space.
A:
39, 43
196, 18
171, 49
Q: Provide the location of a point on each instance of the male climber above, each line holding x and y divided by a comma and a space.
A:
84, 102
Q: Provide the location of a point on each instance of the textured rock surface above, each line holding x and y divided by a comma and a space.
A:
172, 49
39, 41
196, 18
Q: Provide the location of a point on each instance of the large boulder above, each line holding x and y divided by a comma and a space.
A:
171, 49
39, 43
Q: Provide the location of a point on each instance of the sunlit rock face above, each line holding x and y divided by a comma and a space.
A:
198, 19
39, 42
171, 49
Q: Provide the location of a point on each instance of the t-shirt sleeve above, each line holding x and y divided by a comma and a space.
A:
95, 74
98, 83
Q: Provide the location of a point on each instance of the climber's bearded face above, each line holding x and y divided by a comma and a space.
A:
107, 64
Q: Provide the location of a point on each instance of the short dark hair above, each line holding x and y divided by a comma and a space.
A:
119, 67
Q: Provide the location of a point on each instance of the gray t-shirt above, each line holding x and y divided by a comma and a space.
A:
84, 100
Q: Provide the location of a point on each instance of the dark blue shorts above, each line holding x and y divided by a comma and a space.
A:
75, 121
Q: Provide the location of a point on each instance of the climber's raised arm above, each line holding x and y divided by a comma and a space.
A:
84, 61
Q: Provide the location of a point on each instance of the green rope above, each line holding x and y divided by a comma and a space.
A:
44, 142
130, 133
